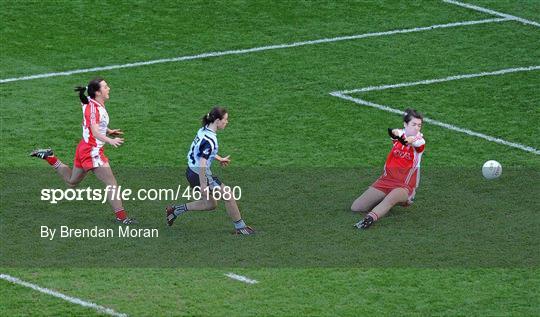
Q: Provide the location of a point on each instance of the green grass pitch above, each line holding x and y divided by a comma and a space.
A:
467, 247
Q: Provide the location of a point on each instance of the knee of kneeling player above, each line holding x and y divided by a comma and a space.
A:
71, 184
358, 209
210, 205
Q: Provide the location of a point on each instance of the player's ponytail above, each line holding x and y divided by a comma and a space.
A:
411, 113
93, 86
216, 113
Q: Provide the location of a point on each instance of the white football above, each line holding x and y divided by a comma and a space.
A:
491, 169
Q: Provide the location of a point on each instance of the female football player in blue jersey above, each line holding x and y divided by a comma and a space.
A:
202, 153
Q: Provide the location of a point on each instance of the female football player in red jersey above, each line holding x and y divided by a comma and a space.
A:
401, 174
89, 154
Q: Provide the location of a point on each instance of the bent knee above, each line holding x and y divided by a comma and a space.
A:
355, 208
71, 184
210, 205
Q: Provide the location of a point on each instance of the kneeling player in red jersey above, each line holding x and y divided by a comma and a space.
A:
398, 183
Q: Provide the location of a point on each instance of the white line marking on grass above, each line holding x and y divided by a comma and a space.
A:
241, 278
70, 299
344, 95
439, 80
252, 50
441, 124
493, 12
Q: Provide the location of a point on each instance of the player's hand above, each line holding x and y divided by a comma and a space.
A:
116, 142
392, 134
114, 132
409, 139
225, 161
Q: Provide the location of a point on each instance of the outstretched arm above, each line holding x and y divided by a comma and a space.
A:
224, 161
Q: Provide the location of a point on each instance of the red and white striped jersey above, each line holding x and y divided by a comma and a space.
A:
403, 161
94, 113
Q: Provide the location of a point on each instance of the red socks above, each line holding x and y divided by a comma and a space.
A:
51, 160
120, 214
54, 162
373, 216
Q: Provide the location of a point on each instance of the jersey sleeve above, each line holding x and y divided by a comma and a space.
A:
205, 149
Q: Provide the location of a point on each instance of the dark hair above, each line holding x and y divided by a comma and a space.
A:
411, 113
93, 86
215, 114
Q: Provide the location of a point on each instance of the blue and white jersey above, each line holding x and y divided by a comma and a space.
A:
205, 145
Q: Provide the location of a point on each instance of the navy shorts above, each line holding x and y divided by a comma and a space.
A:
193, 179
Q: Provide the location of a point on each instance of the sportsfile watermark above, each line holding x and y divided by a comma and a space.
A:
54, 195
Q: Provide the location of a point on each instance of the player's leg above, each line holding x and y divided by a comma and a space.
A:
203, 204
233, 211
396, 196
104, 173
206, 203
410, 199
230, 204
76, 176
63, 170
368, 200
72, 177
